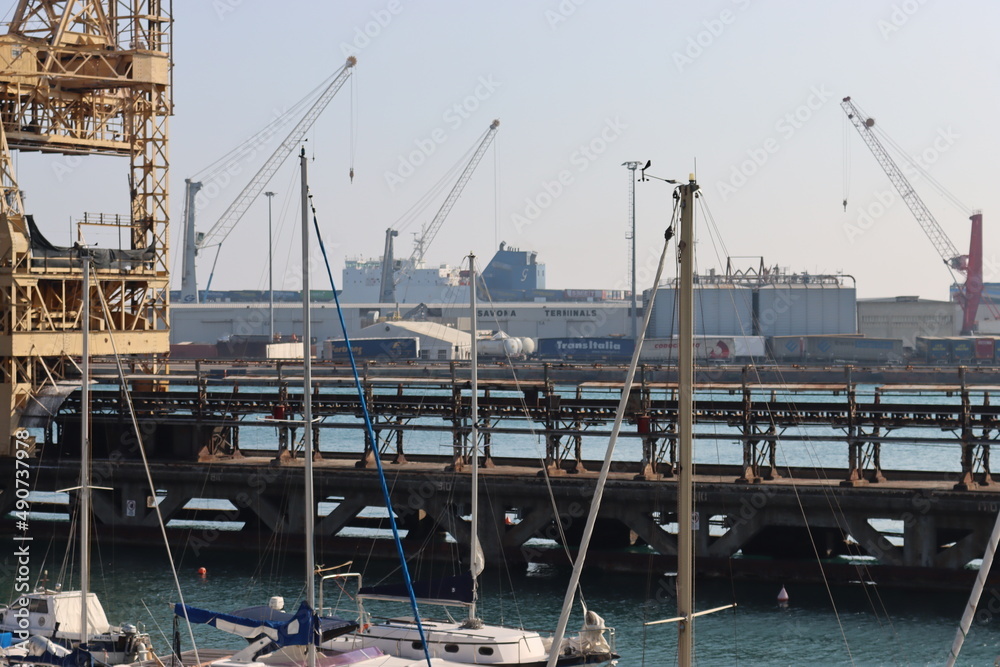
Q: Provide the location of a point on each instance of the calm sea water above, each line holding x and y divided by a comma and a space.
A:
859, 625
870, 626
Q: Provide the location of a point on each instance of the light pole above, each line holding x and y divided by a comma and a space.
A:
270, 265
632, 166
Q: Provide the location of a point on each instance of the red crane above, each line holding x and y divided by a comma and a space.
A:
971, 293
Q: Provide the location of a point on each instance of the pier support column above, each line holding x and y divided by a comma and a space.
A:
758, 461
491, 530
919, 541
459, 430
367, 459
976, 473
400, 457
652, 466
864, 458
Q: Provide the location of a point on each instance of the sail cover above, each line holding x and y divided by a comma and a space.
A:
329, 626
450, 589
283, 629
43, 651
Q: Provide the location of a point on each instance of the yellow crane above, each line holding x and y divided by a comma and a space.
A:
82, 77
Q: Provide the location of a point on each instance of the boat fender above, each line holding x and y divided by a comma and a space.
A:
41, 621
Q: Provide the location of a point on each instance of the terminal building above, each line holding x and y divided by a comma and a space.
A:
907, 318
748, 308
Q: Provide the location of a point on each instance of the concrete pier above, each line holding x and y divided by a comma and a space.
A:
757, 517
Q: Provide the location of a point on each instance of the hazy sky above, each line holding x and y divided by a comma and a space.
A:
750, 91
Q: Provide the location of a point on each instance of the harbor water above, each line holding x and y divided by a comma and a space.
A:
849, 625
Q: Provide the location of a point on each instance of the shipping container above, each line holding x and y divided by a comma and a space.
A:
373, 349
963, 350
933, 349
236, 346
984, 350
848, 348
193, 351
790, 349
750, 348
586, 349
709, 348
586, 294
284, 351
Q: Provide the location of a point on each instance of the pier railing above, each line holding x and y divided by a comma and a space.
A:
562, 407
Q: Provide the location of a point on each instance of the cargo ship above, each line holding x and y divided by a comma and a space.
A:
513, 275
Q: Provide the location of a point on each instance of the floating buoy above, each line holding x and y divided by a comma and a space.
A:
202, 572
783, 597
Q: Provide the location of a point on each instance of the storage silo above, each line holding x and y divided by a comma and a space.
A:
805, 309
719, 310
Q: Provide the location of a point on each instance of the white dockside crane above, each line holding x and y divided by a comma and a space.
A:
195, 241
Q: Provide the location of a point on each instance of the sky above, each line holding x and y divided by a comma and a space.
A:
746, 94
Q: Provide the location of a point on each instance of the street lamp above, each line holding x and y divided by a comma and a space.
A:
270, 265
632, 166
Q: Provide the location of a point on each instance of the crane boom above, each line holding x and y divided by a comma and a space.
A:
224, 226
387, 288
949, 253
428, 234
971, 294
221, 229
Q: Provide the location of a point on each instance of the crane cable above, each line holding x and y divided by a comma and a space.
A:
847, 161
901, 154
421, 205
943, 191
252, 144
354, 123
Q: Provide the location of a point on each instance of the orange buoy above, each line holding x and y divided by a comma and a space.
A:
202, 571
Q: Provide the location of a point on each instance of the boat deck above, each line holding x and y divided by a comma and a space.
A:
188, 659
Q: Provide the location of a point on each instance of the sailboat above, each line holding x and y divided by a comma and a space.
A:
469, 641
55, 623
277, 638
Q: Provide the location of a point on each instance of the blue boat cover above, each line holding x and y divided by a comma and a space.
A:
289, 630
76, 658
329, 626
458, 589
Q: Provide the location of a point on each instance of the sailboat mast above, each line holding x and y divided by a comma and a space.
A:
474, 435
307, 448
85, 453
685, 422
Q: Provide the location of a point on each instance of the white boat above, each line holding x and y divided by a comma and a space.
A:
464, 643
469, 641
53, 622
55, 615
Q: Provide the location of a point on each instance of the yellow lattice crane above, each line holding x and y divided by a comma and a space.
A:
81, 77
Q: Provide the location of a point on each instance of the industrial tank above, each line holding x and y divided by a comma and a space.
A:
805, 309
719, 310
500, 345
